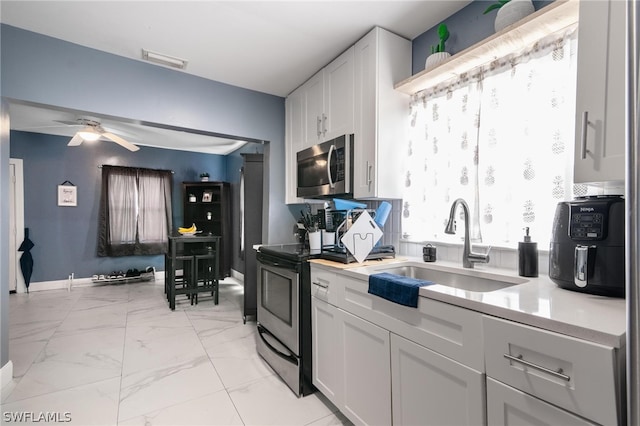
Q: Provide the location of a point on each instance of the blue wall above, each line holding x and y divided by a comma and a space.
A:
44, 70
66, 237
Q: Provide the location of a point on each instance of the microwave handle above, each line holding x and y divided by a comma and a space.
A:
332, 184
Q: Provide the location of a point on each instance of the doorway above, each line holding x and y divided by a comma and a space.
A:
16, 224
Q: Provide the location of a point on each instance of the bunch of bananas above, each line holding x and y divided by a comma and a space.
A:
190, 230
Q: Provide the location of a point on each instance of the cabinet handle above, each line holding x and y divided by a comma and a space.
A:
558, 373
318, 122
585, 124
324, 124
319, 284
369, 167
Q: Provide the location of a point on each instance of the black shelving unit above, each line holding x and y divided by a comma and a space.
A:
208, 206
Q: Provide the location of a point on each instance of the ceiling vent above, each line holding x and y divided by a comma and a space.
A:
161, 59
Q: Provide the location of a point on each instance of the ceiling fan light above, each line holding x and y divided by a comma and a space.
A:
161, 59
89, 135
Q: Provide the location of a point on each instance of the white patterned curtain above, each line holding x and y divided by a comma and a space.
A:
123, 206
154, 189
501, 138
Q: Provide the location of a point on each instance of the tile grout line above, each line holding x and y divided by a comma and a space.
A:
38, 355
224, 386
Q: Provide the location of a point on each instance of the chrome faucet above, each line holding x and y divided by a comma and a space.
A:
468, 257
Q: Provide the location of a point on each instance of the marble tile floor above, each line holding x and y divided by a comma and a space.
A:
117, 355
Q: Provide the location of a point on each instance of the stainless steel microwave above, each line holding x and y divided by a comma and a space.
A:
326, 168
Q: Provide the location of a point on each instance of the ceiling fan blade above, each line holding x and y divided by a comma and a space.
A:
69, 122
117, 139
75, 140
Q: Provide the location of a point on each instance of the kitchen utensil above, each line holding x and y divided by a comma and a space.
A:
362, 236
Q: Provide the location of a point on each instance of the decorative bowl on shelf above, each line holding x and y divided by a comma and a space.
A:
511, 12
436, 59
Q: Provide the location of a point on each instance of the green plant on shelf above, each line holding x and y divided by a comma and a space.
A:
443, 34
496, 5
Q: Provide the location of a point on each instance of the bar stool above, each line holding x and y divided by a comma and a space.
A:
206, 269
182, 284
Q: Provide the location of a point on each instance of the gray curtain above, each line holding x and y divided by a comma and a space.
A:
135, 211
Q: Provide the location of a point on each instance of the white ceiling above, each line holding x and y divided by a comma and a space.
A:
268, 46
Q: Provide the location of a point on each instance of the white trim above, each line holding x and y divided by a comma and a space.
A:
6, 374
19, 217
237, 275
73, 282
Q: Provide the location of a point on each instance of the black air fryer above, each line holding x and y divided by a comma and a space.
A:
586, 253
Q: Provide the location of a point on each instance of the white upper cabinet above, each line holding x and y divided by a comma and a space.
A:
381, 59
338, 97
293, 144
319, 110
312, 110
327, 99
600, 95
355, 94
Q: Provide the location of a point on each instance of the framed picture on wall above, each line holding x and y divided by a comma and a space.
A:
67, 195
207, 196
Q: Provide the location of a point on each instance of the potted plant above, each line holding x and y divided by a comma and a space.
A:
204, 177
438, 54
509, 12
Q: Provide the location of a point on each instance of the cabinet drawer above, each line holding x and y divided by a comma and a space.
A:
446, 329
574, 374
509, 406
323, 285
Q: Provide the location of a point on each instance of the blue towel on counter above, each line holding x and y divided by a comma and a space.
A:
396, 288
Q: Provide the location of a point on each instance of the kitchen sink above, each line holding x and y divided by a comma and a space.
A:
474, 280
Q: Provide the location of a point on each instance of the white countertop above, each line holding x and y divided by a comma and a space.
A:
538, 302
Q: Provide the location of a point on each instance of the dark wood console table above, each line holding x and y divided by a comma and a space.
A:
198, 257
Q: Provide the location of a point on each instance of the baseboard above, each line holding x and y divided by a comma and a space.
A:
6, 374
68, 284
237, 275
58, 284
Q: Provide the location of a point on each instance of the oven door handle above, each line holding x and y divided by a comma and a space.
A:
288, 357
270, 262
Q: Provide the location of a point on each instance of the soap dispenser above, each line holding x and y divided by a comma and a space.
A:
527, 256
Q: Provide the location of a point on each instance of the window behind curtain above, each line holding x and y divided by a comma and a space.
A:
501, 137
135, 211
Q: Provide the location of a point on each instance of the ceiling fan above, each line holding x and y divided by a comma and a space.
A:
92, 131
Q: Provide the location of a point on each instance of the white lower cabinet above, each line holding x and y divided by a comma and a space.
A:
431, 389
326, 365
366, 374
578, 376
508, 406
371, 369
351, 362
381, 363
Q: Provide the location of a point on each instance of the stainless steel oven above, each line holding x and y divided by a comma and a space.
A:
284, 314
